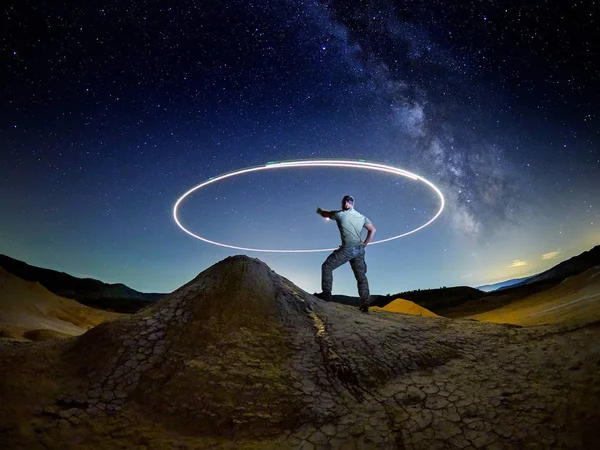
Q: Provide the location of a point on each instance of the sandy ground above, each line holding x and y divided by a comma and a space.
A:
30, 311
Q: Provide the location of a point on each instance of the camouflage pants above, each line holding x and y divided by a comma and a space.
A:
356, 255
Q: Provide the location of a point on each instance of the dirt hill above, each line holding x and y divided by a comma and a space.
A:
240, 358
406, 307
28, 310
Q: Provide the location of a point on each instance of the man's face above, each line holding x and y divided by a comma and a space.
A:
345, 205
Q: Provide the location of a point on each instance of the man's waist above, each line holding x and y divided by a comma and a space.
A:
351, 244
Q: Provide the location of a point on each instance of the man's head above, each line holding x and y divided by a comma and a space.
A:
347, 202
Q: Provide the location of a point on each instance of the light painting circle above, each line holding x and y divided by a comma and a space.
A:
360, 164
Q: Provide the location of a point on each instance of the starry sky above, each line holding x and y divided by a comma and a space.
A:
112, 110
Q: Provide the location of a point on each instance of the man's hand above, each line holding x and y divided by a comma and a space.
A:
325, 213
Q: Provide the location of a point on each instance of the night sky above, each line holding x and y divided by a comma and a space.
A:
112, 110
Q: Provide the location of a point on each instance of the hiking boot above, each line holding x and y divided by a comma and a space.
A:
364, 308
323, 296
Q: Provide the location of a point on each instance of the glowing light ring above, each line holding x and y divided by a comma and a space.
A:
310, 163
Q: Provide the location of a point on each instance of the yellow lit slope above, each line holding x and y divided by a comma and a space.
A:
405, 306
576, 298
27, 307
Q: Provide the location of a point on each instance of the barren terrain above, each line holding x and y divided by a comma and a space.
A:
242, 358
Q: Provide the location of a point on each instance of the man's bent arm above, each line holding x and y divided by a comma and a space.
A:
325, 213
370, 232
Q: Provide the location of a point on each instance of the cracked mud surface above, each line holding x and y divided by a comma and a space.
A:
242, 358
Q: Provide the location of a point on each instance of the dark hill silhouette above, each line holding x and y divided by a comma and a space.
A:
431, 299
436, 299
241, 358
87, 291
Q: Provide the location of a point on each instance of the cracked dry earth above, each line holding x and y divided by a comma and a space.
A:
240, 358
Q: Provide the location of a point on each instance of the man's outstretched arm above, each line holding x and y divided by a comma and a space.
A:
325, 213
370, 232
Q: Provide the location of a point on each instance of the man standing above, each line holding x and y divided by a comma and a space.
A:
350, 223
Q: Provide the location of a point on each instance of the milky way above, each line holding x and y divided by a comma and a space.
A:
111, 112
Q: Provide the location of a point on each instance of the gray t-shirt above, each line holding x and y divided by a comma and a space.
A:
350, 224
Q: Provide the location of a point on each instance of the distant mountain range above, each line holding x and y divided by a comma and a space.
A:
502, 284
87, 291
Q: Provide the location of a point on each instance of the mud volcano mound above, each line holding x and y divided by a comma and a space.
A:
241, 358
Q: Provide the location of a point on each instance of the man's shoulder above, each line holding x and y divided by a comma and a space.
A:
349, 214
362, 216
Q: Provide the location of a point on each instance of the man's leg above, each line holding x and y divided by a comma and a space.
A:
359, 267
333, 261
